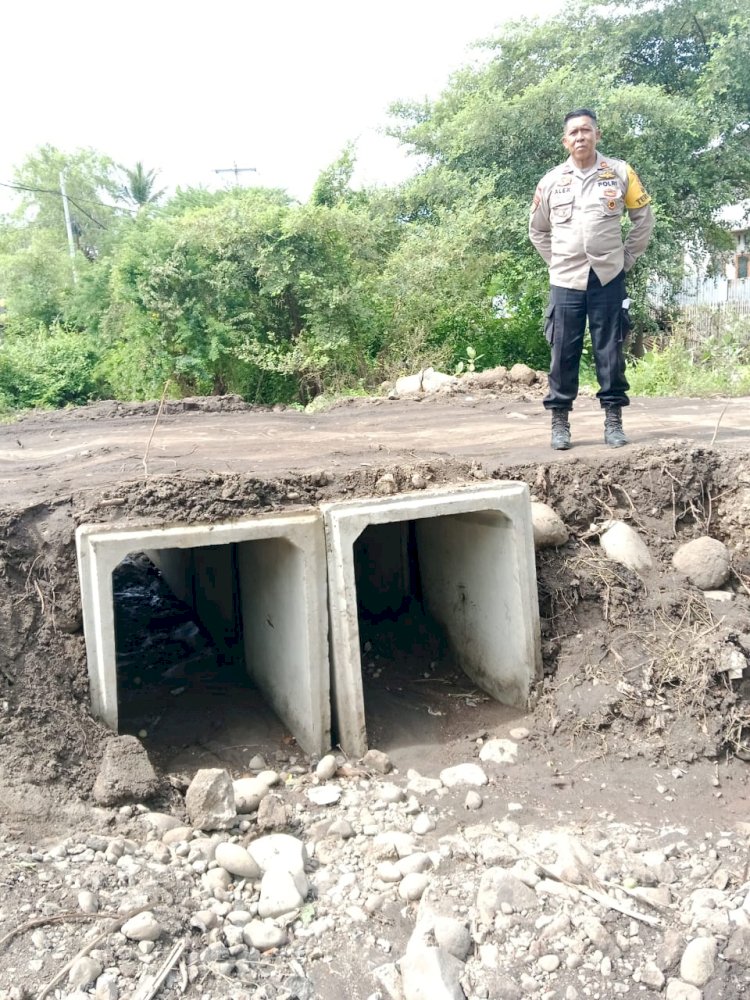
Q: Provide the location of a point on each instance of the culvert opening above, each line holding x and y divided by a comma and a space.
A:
416, 690
433, 603
210, 639
182, 682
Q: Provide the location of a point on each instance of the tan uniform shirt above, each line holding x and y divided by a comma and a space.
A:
575, 221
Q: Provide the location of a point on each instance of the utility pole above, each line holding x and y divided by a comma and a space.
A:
236, 171
68, 226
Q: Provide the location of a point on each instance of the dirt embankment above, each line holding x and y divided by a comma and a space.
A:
630, 663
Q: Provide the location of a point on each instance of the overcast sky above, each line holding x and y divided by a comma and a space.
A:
191, 87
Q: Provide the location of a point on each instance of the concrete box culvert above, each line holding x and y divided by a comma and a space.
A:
260, 581
473, 550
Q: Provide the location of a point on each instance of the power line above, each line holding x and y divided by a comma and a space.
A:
101, 204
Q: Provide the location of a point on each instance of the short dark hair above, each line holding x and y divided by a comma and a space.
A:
580, 113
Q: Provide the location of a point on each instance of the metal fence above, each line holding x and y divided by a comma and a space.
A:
703, 307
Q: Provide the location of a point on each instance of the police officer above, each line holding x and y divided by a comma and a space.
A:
576, 226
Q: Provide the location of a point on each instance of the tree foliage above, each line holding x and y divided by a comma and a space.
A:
248, 291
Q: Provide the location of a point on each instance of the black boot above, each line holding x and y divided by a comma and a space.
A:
614, 436
560, 430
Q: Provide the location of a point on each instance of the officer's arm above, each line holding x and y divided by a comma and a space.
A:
540, 231
638, 204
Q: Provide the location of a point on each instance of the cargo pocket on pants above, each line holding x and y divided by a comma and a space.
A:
625, 324
549, 324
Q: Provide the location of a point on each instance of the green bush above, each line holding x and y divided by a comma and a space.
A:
48, 368
715, 369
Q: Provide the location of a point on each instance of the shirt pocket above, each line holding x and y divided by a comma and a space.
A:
561, 207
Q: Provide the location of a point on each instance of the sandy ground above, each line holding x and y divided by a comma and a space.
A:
48, 455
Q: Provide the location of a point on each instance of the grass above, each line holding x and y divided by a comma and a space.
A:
720, 366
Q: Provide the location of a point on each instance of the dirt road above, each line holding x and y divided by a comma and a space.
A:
48, 455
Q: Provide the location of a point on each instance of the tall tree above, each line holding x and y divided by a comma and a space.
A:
140, 186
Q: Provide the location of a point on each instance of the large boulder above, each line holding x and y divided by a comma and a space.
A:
125, 773
210, 800
622, 544
549, 528
704, 561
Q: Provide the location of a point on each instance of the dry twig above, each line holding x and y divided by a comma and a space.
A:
115, 926
153, 430
716, 429
153, 985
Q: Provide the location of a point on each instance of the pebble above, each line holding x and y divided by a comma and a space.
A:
84, 971
413, 885
324, 795
142, 927
236, 860
376, 760
698, 961
280, 892
499, 752
473, 800
326, 767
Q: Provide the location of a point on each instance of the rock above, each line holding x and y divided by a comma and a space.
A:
549, 528
393, 843
738, 947
341, 828
125, 773
217, 878
677, 990
88, 901
704, 561
431, 974
326, 767
280, 892
106, 988
499, 751
423, 824
142, 927
272, 813
698, 961
386, 485
83, 972
278, 850
622, 544
324, 795
388, 792
204, 920
248, 794
412, 886
427, 380
161, 822
419, 785
549, 963
499, 888
210, 800
235, 859
376, 760
522, 374
263, 935
389, 978
652, 976
453, 936
473, 800
463, 774
670, 951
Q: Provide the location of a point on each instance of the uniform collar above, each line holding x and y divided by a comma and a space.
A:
569, 166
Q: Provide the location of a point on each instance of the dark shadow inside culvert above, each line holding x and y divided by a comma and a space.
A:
182, 683
415, 689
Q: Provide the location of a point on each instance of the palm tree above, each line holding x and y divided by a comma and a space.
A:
139, 188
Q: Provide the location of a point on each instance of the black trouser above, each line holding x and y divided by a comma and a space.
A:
565, 325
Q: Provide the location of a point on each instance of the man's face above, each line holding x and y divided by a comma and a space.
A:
580, 139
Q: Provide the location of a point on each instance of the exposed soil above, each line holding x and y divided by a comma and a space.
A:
632, 716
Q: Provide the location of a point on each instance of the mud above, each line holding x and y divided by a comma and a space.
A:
630, 664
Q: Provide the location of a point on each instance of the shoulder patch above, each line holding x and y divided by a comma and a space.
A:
636, 195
